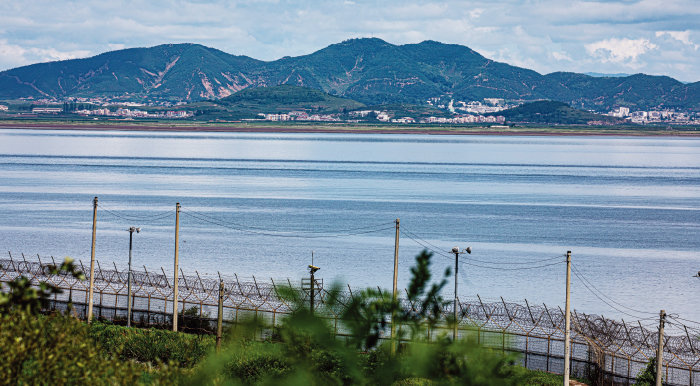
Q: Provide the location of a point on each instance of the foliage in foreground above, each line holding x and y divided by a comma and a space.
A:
56, 350
59, 349
307, 351
151, 345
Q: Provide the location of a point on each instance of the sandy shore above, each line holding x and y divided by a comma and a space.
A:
340, 128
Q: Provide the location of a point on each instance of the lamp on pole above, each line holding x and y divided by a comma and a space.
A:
128, 300
456, 251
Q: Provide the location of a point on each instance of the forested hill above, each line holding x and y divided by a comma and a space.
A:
550, 112
369, 70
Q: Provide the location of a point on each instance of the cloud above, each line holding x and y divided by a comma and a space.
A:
17, 55
545, 35
561, 56
623, 51
681, 36
52, 54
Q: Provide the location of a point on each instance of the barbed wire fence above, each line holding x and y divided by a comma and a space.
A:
604, 350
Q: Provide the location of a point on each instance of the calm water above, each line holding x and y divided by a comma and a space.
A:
258, 204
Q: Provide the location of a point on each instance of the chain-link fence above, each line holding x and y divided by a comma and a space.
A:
603, 350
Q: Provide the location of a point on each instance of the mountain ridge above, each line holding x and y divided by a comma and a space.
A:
369, 70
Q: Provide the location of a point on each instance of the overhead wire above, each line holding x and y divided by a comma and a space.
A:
583, 278
261, 229
513, 268
281, 234
436, 249
604, 301
429, 246
157, 216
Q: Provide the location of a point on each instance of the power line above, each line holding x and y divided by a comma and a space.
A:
601, 299
414, 236
470, 258
290, 235
511, 269
428, 245
583, 278
157, 216
261, 229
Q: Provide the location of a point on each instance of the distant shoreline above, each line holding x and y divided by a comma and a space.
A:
269, 127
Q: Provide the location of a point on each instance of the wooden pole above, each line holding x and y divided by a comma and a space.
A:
92, 259
455, 250
128, 297
394, 289
567, 330
220, 316
175, 270
660, 348
311, 298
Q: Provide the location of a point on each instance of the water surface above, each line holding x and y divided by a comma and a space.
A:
258, 204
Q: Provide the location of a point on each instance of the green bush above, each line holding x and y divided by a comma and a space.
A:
152, 345
55, 350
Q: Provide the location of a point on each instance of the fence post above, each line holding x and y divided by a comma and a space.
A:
220, 316
92, 259
175, 281
548, 346
527, 349
660, 349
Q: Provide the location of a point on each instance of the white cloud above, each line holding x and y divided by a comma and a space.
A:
561, 56
622, 51
17, 55
545, 35
12, 54
681, 36
52, 54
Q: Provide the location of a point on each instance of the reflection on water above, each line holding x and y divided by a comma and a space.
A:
257, 204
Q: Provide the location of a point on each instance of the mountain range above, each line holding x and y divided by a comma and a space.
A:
367, 70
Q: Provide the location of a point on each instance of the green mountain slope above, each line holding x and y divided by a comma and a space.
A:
368, 70
276, 99
172, 71
552, 112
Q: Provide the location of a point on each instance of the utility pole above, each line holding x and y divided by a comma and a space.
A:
312, 270
92, 259
129, 299
567, 328
394, 289
660, 348
175, 271
220, 316
456, 251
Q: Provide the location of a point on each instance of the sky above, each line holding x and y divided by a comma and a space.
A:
660, 37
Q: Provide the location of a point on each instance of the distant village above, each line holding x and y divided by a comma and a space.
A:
381, 116
656, 116
135, 113
460, 112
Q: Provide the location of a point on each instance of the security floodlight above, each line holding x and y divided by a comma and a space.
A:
455, 249
469, 250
